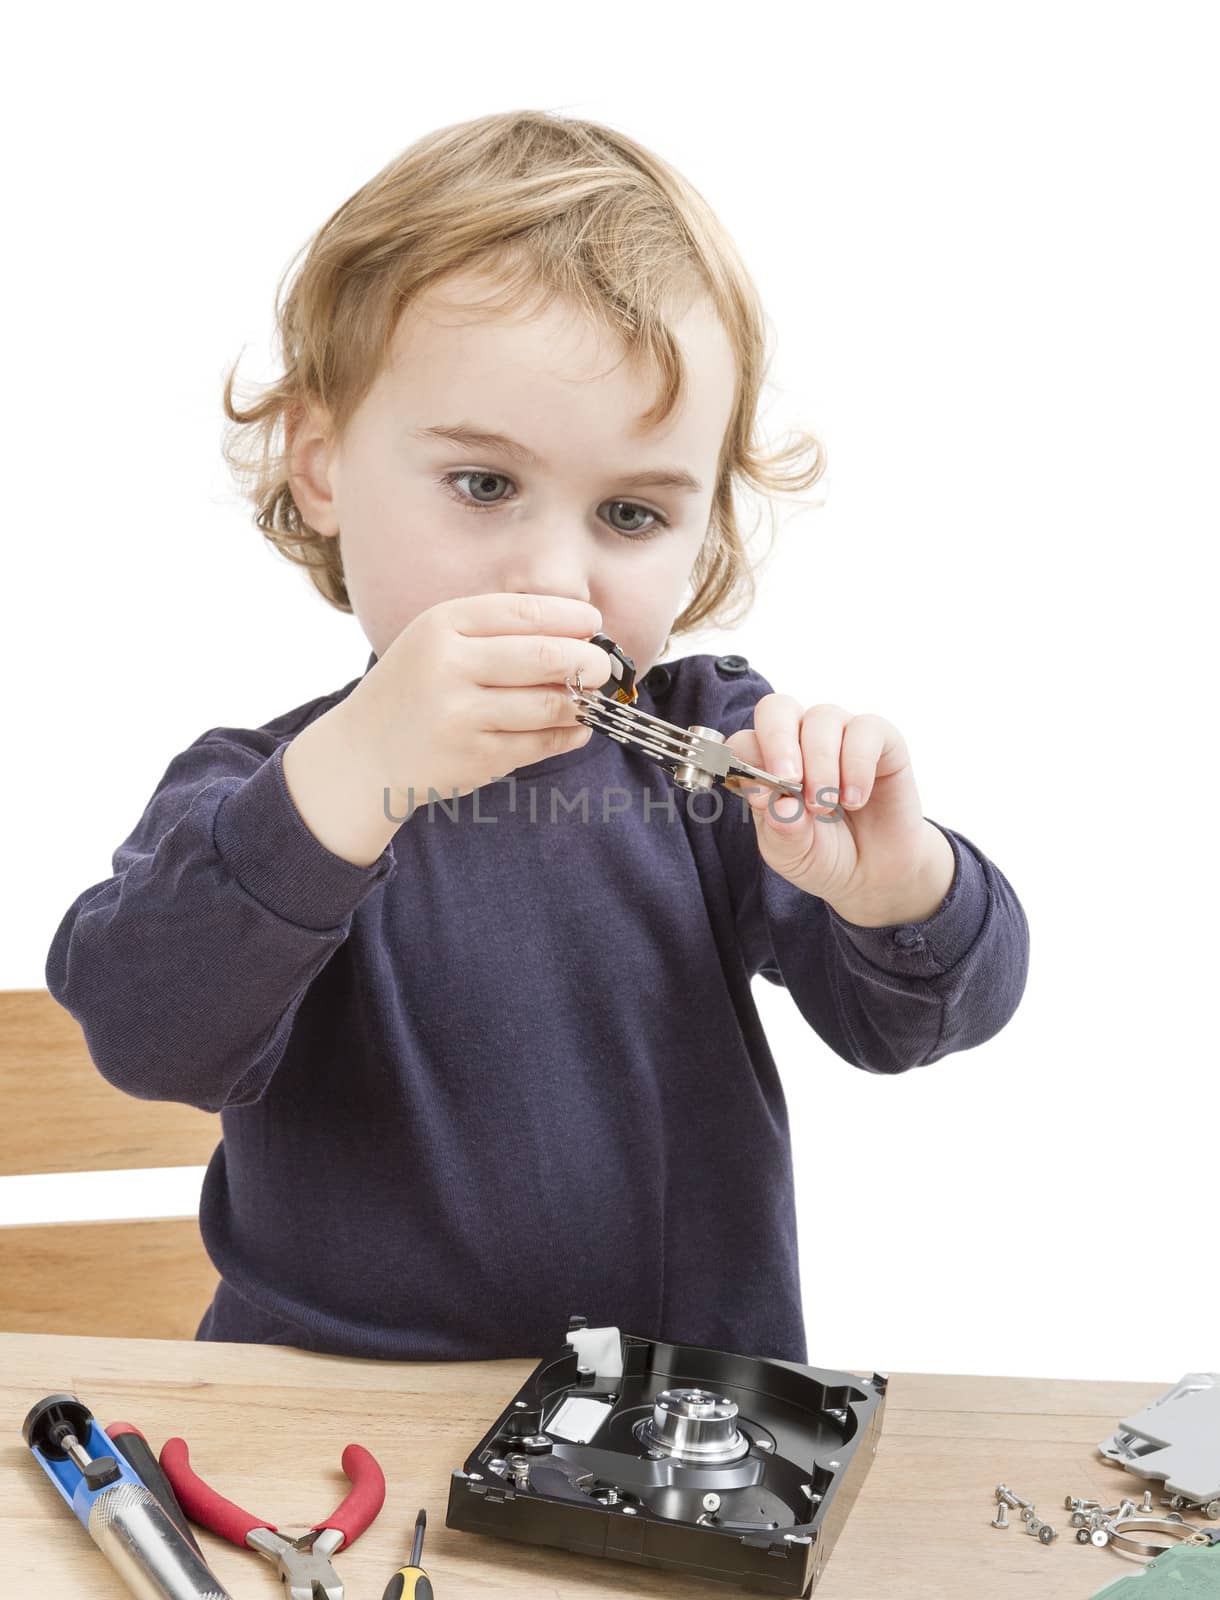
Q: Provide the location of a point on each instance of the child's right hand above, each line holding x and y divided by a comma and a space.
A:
470, 690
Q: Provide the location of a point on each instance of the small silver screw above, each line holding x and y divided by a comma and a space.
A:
1072, 1503
1000, 1520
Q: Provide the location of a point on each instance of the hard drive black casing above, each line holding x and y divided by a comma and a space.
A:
823, 1427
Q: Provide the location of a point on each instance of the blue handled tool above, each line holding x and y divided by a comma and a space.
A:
123, 1517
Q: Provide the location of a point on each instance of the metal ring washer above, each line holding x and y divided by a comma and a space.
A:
1183, 1531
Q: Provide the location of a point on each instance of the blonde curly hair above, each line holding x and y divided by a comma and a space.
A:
553, 206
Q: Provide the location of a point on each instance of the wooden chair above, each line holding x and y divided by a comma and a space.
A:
145, 1278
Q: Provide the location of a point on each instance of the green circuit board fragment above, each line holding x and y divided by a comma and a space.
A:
1184, 1572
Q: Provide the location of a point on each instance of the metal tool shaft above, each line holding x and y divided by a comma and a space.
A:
131, 1529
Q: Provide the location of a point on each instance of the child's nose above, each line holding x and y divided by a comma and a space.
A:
549, 556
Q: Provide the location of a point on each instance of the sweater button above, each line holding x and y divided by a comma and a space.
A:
731, 666
908, 938
658, 680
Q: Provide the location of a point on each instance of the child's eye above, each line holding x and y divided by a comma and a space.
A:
450, 481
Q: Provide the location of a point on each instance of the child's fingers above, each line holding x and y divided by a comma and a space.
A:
759, 796
872, 746
520, 661
744, 743
821, 744
481, 614
777, 727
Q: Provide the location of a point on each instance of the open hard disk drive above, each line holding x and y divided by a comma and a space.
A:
740, 1470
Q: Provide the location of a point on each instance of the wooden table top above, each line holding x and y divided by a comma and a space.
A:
267, 1425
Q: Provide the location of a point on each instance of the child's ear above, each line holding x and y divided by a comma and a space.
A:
309, 455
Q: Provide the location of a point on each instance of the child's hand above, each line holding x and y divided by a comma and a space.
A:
874, 857
471, 689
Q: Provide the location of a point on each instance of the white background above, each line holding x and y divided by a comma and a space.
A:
984, 239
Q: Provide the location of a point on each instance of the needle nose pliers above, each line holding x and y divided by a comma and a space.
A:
302, 1564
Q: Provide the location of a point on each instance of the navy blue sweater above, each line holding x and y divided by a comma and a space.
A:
512, 1070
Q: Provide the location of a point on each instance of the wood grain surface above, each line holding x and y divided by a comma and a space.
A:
267, 1425
61, 1115
62, 1275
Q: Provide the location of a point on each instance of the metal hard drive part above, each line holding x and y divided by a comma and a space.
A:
695, 756
696, 1424
782, 1500
579, 1418
1175, 1439
1118, 1534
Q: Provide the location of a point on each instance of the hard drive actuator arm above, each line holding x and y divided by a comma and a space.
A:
695, 756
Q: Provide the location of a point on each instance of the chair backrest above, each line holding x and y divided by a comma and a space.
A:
143, 1278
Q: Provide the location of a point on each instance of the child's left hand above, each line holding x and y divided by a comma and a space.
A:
875, 858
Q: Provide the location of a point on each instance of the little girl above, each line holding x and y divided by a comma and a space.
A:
468, 982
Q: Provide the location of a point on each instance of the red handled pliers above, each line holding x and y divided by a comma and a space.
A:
302, 1564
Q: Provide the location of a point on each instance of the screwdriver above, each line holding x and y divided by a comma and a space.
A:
412, 1582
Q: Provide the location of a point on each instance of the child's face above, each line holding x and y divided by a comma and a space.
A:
558, 525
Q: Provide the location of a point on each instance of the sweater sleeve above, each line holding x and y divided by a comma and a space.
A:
185, 968
886, 999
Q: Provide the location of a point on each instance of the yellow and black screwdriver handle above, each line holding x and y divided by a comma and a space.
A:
409, 1582
412, 1582
621, 684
